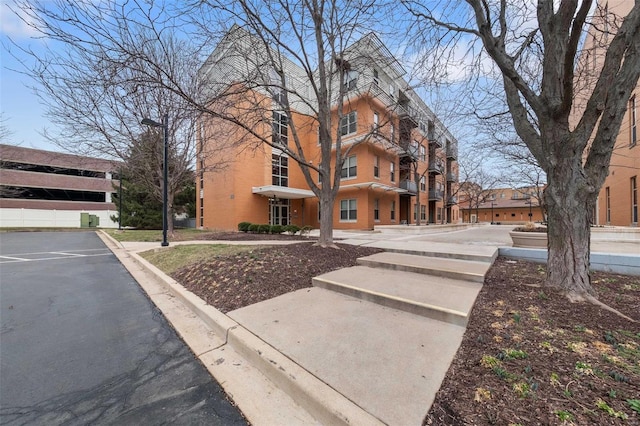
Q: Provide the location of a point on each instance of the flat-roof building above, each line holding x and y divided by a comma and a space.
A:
50, 189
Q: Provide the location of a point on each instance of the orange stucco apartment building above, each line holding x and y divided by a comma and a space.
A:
618, 198
393, 132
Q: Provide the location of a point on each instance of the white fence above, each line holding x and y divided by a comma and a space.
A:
37, 218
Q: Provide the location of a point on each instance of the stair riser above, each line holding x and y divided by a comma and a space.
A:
457, 256
433, 312
422, 270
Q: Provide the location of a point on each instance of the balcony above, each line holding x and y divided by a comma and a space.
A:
452, 177
452, 150
409, 151
436, 167
452, 200
401, 107
436, 141
409, 185
435, 195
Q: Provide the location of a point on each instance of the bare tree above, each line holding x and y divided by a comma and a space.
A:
5, 132
476, 184
107, 66
534, 52
297, 65
314, 36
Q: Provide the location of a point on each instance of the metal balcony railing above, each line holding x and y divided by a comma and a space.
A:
436, 167
452, 150
452, 177
452, 200
409, 186
435, 195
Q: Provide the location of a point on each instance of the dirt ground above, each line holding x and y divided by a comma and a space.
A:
529, 356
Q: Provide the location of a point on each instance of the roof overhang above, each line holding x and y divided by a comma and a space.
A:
374, 185
283, 192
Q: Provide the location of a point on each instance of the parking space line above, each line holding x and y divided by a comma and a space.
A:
69, 254
17, 259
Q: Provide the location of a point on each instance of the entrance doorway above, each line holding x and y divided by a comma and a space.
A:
278, 212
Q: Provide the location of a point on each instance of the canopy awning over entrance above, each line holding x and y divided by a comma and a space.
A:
282, 192
375, 185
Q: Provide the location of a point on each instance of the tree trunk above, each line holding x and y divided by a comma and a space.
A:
326, 218
569, 205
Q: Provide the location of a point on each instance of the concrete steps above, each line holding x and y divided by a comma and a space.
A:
456, 269
442, 299
477, 253
386, 362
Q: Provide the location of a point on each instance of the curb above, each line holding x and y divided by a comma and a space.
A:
321, 401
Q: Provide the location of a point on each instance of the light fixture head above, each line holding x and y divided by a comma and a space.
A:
150, 122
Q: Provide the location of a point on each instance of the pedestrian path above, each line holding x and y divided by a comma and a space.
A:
381, 334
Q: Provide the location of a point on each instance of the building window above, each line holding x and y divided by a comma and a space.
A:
376, 209
376, 166
280, 129
348, 210
439, 214
423, 184
415, 212
634, 200
279, 170
393, 132
376, 77
393, 210
201, 215
392, 91
423, 212
350, 80
349, 168
608, 204
423, 153
349, 123
632, 121
376, 121
392, 171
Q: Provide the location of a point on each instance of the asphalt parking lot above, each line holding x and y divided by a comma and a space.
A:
82, 344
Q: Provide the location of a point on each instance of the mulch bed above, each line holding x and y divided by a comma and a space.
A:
530, 357
245, 278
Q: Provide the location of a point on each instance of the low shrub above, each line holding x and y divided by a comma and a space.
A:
244, 226
291, 229
276, 229
263, 229
305, 230
253, 227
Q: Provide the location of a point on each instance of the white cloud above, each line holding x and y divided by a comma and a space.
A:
11, 25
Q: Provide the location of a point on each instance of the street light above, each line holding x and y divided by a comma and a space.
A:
492, 204
165, 171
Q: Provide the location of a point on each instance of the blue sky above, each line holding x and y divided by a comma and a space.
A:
22, 112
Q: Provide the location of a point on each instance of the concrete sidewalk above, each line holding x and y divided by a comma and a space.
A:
366, 345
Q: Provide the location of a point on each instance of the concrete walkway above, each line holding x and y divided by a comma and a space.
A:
366, 345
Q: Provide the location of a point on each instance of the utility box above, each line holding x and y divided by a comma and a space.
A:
84, 220
89, 220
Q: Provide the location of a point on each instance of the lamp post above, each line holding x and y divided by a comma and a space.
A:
165, 171
120, 201
492, 204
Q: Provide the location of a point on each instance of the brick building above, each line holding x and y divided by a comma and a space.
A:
394, 136
618, 198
